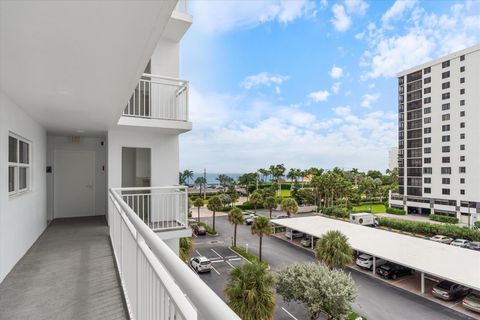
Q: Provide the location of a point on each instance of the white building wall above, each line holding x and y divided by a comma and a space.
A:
23, 218
393, 158
165, 59
86, 144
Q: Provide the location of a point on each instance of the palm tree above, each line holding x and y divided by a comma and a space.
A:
250, 292
214, 204
269, 203
261, 227
256, 198
187, 174
333, 250
292, 174
235, 217
198, 202
289, 205
201, 182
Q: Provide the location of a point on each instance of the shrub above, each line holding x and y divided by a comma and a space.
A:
442, 218
477, 224
398, 212
430, 229
336, 212
285, 186
247, 205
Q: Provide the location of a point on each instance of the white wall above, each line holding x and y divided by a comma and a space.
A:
24, 217
86, 144
165, 58
164, 154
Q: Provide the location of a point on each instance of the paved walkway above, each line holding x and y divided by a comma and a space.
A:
69, 273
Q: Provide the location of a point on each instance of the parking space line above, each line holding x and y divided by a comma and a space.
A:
234, 259
231, 265
460, 301
215, 270
241, 257
198, 252
291, 315
216, 253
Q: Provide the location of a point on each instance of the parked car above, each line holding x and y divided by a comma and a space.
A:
247, 213
460, 243
472, 302
192, 221
199, 230
474, 245
447, 290
441, 239
249, 220
393, 271
307, 241
282, 216
293, 234
201, 264
366, 261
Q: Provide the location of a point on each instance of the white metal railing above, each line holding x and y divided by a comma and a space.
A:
161, 208
157, 97
182, 6
156, 283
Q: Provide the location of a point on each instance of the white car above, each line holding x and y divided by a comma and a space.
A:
460, 243
441, 239
366, 261
201, 264
293, 234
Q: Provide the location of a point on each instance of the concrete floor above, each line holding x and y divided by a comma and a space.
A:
69, 273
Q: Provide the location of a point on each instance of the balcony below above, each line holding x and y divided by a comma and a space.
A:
69, 273
158, 102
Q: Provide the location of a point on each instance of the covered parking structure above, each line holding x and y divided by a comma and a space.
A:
447, 262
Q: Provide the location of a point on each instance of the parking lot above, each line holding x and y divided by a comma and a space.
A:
410, 283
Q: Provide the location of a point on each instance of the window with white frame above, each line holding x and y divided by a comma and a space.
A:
19, 164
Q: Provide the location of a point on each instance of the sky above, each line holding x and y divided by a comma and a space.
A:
307, 83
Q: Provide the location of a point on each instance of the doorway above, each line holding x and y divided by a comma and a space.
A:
74, 184
136, 167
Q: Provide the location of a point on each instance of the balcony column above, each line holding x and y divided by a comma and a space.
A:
422, 283
374, 265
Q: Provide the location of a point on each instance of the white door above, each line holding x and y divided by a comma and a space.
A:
74, 183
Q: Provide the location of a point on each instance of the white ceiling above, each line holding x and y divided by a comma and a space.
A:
72, 65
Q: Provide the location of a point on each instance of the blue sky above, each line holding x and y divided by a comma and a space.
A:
307, 83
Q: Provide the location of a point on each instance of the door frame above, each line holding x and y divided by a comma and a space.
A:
55, 177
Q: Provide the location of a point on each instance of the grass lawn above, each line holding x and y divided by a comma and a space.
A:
285, 193
376, 208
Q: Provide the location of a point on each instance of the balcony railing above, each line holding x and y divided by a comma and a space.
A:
156, 283
157, 97
161, 208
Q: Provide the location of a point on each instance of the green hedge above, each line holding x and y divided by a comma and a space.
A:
398, 212
442, 218
335, 212
285, 186
430, 229
249, 206
477, 224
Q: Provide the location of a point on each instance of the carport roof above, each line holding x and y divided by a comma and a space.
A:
446, 262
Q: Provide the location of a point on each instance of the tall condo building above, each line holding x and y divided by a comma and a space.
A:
438, 137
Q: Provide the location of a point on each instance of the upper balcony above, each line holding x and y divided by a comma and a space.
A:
158, 102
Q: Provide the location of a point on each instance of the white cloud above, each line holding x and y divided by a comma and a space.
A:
242, 142
397, 10
341, 21
369, 99
358, 7
371, 86
214, 17
263, 78
319, 96
336, 87
336, 72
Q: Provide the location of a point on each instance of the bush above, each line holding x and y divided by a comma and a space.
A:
207, 228
336, 212
430, 229
398, 212
285, 186
442, 218
477, 224
247, 205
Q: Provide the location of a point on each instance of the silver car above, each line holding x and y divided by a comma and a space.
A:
441, 239
201, 264
462, 243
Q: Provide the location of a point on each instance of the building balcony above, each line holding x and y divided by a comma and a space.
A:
158, 102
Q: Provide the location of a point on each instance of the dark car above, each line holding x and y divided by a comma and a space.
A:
393, 271
199, 230
474, 245
447, 290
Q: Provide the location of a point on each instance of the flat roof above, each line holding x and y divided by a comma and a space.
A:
447, 262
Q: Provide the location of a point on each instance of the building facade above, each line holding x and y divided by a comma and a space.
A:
438, 148
393, 158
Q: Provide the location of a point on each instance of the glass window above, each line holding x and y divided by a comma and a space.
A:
445, 180
445, 85
462, 113
11, 179
427, 90
462, 158
446, 149
445, 138
427, 80
445, 159
462, 91
446, 170
462, 169
446, 191
12, 149
446, 127
462, 102
23, 152
445, 95
445, 74
462, 191
427, 180
427, 150
427, 70
462, 69
462, 124
446, 117
462, 135
446, 64
427, 190
427, 130
462, 80
462, 57
462, 180
446, 106
23, 178
18, 164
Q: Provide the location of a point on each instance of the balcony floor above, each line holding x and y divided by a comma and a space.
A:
69, 273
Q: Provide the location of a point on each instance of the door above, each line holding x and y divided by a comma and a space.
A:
74, 194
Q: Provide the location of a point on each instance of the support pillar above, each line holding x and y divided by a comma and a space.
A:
374, 265
312, 241
422, 285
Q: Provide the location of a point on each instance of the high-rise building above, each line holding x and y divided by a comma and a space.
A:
393, 158
438, 137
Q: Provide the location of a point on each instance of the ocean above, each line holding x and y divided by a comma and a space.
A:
212, 177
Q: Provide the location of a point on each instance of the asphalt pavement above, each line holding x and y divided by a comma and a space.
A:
377, 300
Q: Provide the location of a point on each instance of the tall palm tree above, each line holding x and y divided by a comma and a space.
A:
256, 198
198, 202
235, 217
261, 227
201, 182
270, 204
187, 174
333, 250
214, 204
250, 292
289, 205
